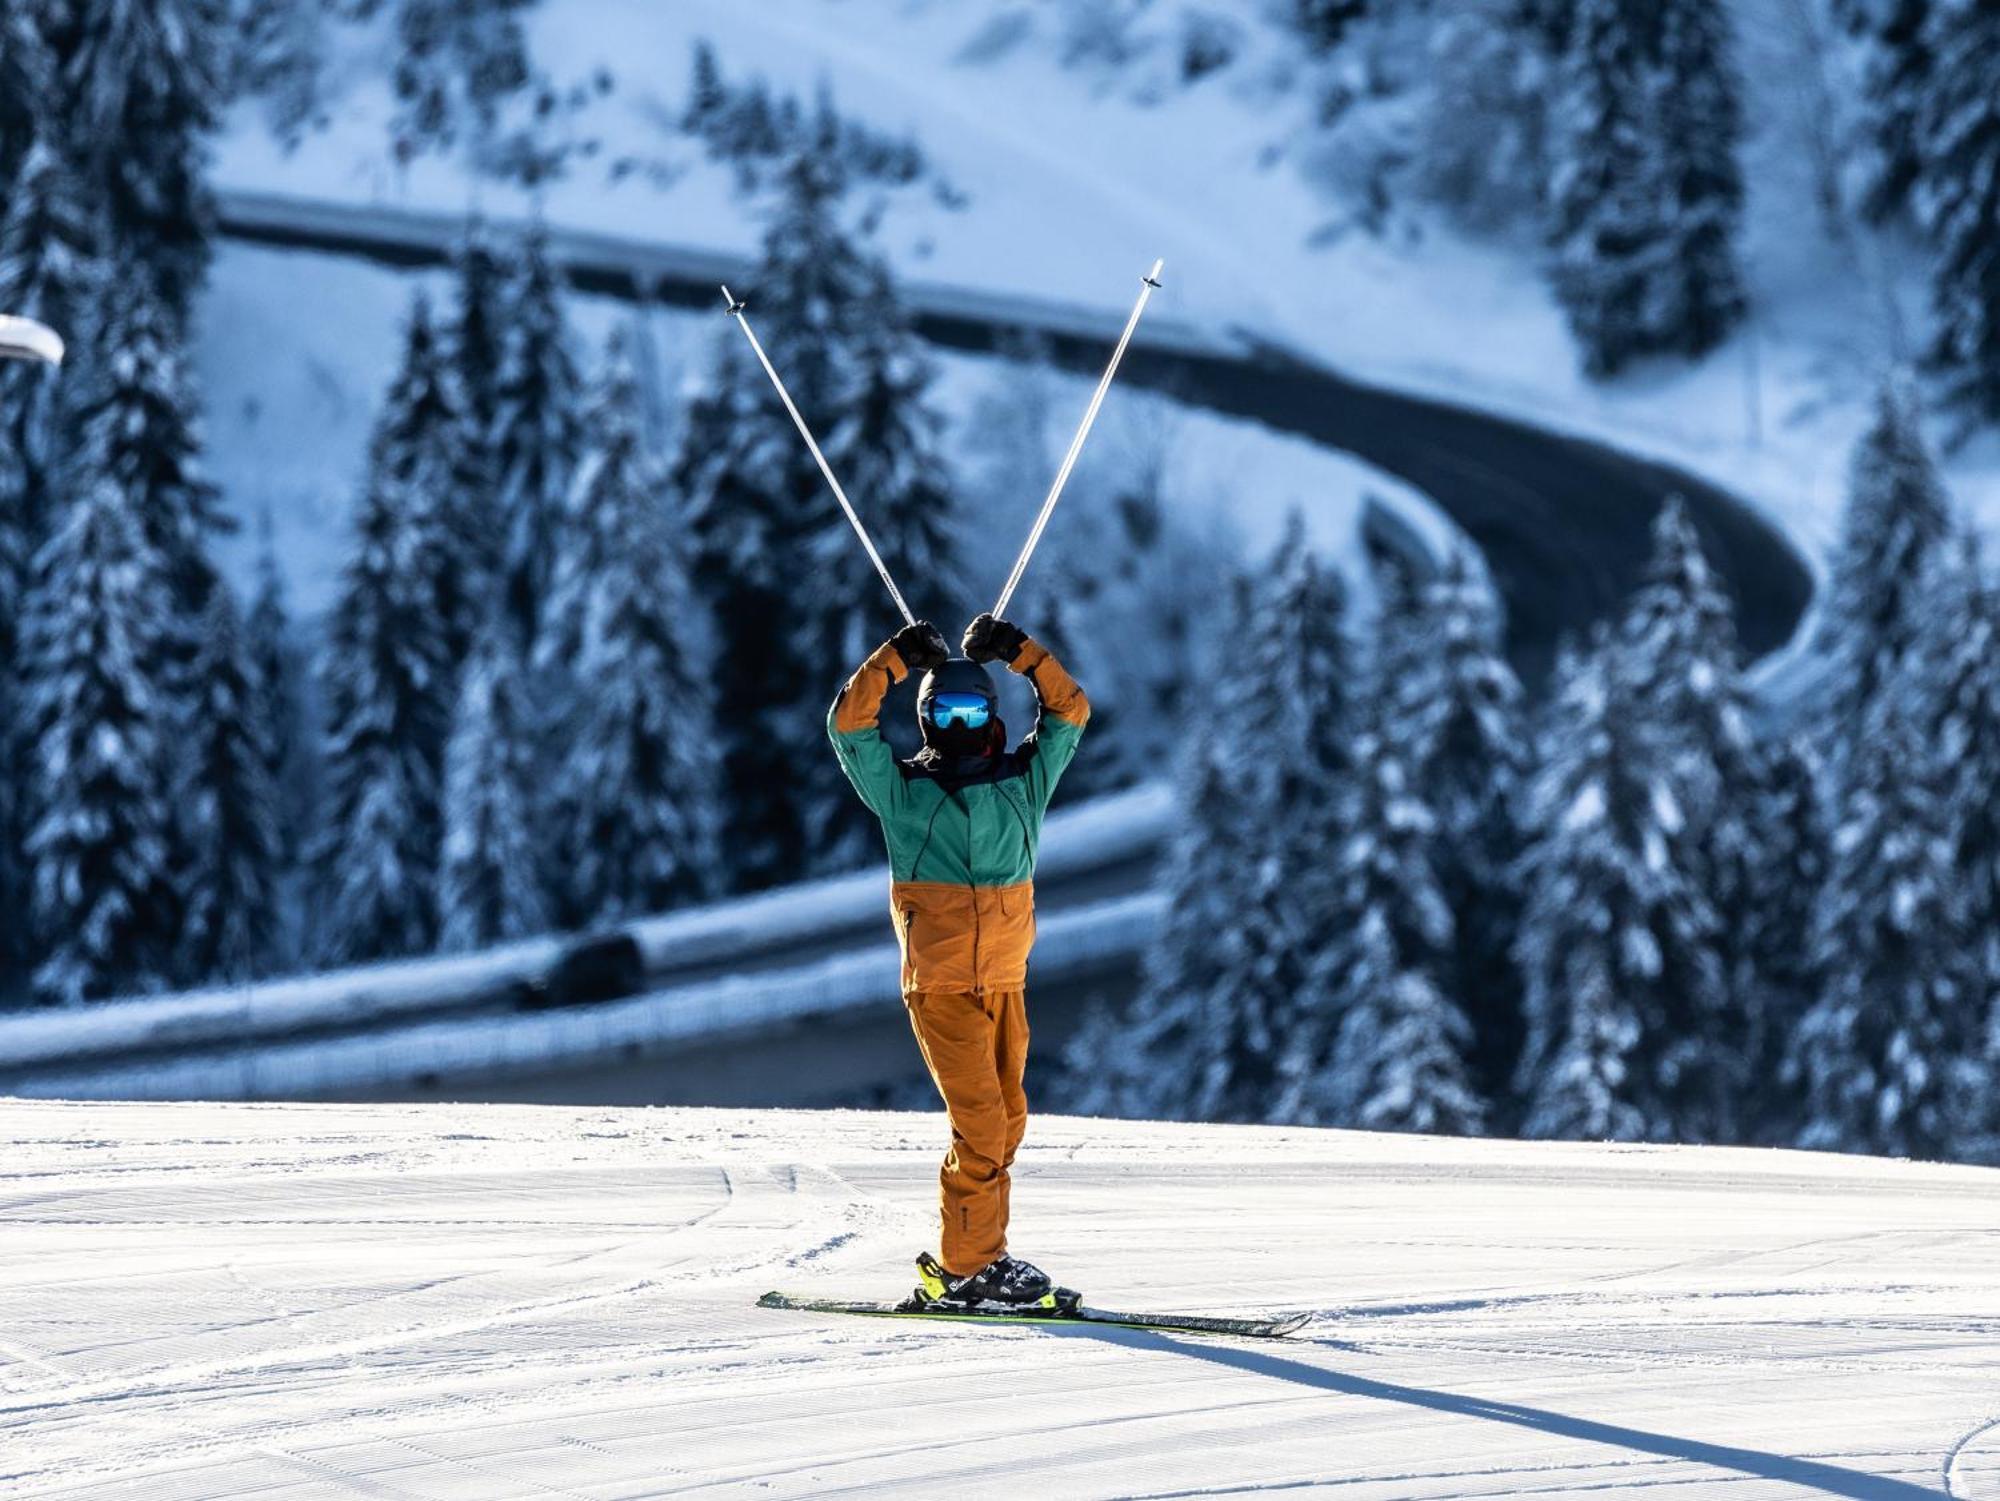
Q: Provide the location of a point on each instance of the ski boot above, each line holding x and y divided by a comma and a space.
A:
1008, 1285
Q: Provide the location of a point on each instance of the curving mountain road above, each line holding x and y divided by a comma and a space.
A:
1562, 521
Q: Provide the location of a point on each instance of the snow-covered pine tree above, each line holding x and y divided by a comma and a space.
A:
278, 676
49, 271
146, 407
886, 447
1644, 128
480, 318
1140, 1065
1604, 205
814, 286
1697, 295
1484, 146
1679, 638
490, 889
1398, 1059
13, 586
1617, 938
45, 249
1052, 615
1889, 1052
227, 809
457, 63
1958, 195
1290, 750
748, 131
136, 418
144, 82
1951, 689
735, 528
1325, 23
419, 445
1157, 601
279, 57
1547, 22
758, 504
388, 687
1896, 520
1781, 966
634, 795
97, 664
1453, 713
1896, 81
27, 82
708, 98
1131, 1065
538, 430
1677, 662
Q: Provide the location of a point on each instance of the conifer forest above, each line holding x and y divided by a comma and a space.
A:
585, 596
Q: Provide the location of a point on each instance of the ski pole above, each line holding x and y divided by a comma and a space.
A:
1151, 282
25, 339
736, 312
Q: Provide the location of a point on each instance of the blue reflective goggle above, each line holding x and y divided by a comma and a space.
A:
969, 709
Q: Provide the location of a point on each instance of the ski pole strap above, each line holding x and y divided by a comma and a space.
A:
1150, 283
736, 311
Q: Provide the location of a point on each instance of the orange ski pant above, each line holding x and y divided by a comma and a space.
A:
976, 1047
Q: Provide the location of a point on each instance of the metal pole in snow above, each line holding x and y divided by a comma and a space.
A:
25, 339
1151, 282
736, 312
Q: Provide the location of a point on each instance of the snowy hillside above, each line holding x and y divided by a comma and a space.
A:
1077, 151
452, 1302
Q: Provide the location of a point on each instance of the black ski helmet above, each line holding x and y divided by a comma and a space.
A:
957, 675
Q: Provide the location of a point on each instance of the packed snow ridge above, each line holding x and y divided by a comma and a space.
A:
445, 1301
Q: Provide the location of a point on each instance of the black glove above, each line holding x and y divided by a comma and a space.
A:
987, 639
921, 646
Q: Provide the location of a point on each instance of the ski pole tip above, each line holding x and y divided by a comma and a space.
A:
730, 305
1152, 277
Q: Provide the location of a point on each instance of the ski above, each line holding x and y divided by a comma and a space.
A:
1162, 1323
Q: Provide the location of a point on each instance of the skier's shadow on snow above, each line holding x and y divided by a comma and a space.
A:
1831, 1479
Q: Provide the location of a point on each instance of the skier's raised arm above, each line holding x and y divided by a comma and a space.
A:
853, 723
1062, 710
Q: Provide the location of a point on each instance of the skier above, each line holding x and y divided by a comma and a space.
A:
963, 819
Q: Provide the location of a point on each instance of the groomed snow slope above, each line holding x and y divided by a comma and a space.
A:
207, 1301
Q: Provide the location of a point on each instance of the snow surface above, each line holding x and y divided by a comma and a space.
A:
444, 1302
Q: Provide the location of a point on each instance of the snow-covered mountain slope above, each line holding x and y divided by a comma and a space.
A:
444, 1302
1075, 169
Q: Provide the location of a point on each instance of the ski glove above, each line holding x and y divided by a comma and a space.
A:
988, 639
921, 646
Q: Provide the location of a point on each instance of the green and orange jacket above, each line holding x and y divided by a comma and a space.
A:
961, 858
